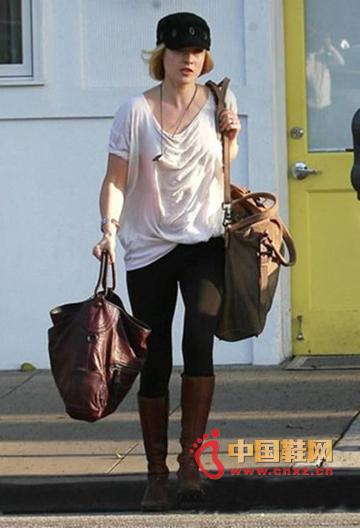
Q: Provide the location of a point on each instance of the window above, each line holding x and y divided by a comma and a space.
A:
15, 38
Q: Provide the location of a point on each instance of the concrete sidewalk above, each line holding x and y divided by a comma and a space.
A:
102, 467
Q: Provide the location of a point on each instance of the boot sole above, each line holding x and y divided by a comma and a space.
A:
191, 497
155, 507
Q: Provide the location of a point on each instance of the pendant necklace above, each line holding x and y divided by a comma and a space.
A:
178, 123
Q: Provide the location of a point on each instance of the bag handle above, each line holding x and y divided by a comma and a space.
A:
103, 274
290, 247
219, 91
256, 208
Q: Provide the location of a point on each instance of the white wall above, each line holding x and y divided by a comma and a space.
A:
53, 137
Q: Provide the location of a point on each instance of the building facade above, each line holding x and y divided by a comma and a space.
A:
65, 67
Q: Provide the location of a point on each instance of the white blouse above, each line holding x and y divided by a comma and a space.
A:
176, 199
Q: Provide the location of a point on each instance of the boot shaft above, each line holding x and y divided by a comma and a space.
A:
154, 418
196, 398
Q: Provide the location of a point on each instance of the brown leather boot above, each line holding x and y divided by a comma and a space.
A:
196, 398
154, 415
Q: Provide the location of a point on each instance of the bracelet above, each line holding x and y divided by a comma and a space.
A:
105, 221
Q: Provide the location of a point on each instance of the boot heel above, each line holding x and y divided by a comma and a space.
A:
156, 496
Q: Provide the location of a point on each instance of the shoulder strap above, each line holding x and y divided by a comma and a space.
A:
219, 91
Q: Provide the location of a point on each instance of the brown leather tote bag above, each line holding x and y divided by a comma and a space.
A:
96, 351
255, 239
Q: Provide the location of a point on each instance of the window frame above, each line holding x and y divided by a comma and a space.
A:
24, 70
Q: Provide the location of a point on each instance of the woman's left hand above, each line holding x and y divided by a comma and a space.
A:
230, 123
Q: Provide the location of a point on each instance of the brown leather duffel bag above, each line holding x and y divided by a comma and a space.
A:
96, 351
255, 237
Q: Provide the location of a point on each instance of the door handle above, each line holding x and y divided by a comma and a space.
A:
300, 171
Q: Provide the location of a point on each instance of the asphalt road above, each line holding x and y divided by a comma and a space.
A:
246, 520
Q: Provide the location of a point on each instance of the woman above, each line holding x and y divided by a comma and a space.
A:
164, 178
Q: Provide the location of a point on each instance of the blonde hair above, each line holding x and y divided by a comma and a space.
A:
154, 58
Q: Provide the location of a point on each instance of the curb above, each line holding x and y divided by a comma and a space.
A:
104, 493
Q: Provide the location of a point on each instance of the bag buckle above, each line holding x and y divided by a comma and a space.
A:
266, 249
267, 252
227, 208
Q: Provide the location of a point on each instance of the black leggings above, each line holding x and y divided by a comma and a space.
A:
152, 289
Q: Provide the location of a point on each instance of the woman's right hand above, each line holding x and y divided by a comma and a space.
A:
107, 242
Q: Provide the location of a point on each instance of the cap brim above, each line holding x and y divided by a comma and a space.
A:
187, 42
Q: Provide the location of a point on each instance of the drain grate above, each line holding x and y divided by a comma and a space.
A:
324, 362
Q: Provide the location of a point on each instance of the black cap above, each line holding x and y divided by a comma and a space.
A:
183, 29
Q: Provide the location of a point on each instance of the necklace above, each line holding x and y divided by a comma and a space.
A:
178, 123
